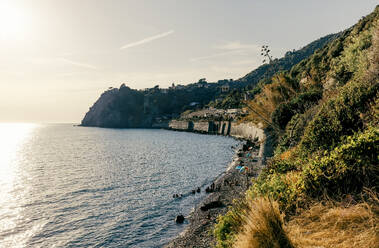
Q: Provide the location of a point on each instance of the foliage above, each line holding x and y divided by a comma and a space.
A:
229, 224
283, 188
231, 101
281, 164
346, 169
294, 131
297, 105
354, 59
264, 104
339, 116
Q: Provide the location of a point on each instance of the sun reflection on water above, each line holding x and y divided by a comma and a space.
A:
12, 138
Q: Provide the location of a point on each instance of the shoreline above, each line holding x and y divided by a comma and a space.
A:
228, 186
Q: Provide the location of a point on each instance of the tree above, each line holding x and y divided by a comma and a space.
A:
265, 52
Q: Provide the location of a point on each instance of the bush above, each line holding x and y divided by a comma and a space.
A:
280, 166
294, 131
228, 225
346, 169
353, 61
298, 105
283, 188
338, 117
282, 115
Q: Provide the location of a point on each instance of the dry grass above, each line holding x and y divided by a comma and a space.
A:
325, 225
336, 226
263, 227
290, 154
264, 104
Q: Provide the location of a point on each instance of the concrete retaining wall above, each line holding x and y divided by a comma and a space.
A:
242, 130
178, 125
246, 131
202, 126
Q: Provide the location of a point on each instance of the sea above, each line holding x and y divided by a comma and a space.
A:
63, 185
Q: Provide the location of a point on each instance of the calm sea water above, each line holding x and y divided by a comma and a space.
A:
66, 186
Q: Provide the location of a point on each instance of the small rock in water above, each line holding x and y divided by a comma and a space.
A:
179, 219
210, 189
177, 195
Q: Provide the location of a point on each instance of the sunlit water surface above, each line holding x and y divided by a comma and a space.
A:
66, 186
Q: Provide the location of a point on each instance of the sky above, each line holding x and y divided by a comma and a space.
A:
58, 56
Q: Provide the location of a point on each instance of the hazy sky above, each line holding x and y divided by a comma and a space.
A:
58, 56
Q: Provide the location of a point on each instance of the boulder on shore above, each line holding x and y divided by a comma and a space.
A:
179, 219
210, 205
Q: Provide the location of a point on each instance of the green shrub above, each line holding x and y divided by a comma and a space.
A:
338, 117
353, 62
294, 131
282, 115
229, 225
283, 188
280, 166
346, 169
298, 105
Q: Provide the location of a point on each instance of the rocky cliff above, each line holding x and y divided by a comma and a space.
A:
118, 108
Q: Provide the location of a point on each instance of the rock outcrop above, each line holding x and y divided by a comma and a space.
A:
118, 108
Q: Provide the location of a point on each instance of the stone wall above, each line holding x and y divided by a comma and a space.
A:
179, 125
242, 130
202, 126
246, 131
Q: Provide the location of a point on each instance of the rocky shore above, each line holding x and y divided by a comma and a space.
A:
229, 186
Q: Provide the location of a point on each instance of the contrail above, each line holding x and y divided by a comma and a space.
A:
147, 40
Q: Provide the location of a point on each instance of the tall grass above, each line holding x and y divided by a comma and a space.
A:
329, 224
263, 227
337, 225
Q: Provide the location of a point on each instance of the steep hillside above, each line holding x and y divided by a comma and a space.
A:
290, 59
320, 188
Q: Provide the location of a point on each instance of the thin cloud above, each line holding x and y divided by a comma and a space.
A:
76, 63
61, 61
147, 40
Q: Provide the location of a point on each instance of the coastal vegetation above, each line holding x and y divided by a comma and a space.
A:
320, 188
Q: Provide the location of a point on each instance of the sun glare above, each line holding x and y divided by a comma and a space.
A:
12, 136
14, 21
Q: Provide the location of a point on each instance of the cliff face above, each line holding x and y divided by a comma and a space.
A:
128, 108
118, 108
